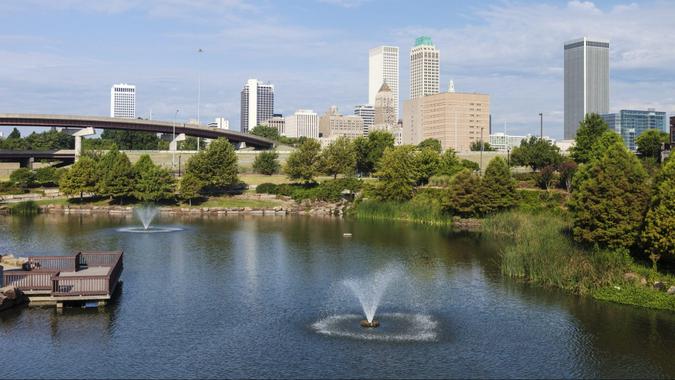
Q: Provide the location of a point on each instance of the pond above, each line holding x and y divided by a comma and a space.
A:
277, 297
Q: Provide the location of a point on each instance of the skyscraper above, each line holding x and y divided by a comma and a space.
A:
383, 67
586, 81
303, 123
631, 123
123, 101
367, 113
257, 104
385, 118
424, 68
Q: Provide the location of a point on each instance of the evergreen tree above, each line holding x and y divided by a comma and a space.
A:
190, 187
449, 164
339, 157
144, 164
266, 162
116, 179
398, 173
215, 167
80, 178
427, 164
23, 177
599, 148
649, 143
658, 236
361, 150
590, 129
14, 134
464, 194
303, 163
151, 182
610, 199
432, 144
498, 188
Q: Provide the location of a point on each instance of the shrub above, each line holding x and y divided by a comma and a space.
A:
24, 208
439, 180
23, 177
266, 188
266, 163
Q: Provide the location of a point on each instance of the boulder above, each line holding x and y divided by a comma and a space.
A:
671, 290
631, 276
660, 286
10, 296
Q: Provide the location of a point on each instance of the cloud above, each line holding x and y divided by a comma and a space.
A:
345, 3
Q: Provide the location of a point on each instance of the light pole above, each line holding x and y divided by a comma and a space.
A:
173, 141
482, 144
541, 125
199, 87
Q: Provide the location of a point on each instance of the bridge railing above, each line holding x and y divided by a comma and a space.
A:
30, 281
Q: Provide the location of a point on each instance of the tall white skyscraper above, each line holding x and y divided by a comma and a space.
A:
383, 67
367, 113
303, 123
123, 101
257, 104
586, 81
424, 68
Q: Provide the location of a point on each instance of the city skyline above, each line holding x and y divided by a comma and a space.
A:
315, 65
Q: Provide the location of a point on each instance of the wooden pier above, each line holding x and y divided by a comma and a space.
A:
86, 278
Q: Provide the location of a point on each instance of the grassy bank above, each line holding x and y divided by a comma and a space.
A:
537, 248
416, 211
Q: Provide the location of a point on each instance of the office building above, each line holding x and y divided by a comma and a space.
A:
502, 142
123, 101
257, 104
586, 81
456, 119
278, 122
385, 116
303, 123
220, 122
333, 125
383, 68
672, 130
424, 68
631, 123
367, 113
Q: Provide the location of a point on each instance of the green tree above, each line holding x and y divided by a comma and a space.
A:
14, 134
590, 129
215, 167
132, 140
649, 143
475, 146
151, 182
23, 177
190, 143
498, 188
266, 162
432, 144
361, 149
449, 164
339, 157
658, 235
144, 164
81, 178
50, 140
398, 174
116, 175
471, 165
428, 161
190, 187
265, 131
599, 148
567, 169
536, 153
48, 175
609, 203
369, 150
303, 163
464, 194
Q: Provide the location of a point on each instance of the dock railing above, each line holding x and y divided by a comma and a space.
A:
30, 281
65, 286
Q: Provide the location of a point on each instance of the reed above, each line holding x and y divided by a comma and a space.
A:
24, 208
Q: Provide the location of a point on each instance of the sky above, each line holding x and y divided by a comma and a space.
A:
62, 56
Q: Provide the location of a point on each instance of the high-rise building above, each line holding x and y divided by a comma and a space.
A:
502, 142
333, 125
367, 113
424, 68
257, 104
123, 101
456, 119
278, 122
672, 130
385, 116
303, 123
586, 81
220, 122
383, 68
630, 124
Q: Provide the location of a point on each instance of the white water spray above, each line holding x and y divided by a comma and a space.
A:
370, 289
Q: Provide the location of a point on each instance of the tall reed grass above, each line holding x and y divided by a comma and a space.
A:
24, 208
418, 211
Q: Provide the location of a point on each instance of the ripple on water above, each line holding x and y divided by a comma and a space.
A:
149, 230
394, 327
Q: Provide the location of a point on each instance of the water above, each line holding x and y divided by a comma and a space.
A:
146, 214
265, 297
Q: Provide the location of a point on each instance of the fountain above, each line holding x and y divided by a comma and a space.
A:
369, 291
146, 214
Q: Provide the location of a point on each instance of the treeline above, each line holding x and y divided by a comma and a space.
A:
49, 140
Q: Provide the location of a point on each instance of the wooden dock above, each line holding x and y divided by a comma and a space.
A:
85, 278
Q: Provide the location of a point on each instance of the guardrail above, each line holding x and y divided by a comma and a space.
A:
35, 280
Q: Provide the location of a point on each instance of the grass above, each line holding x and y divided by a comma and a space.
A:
238, 202
416, 210
537, 248
24, 208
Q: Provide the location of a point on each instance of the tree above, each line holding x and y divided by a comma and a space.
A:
430, 143
567, 170
132, 140
265, 131
190, 143
151, 182
649, 143
599, 148
398, 173
215, 167
428, 161
190, 187
471, 165
48, 175
143, 165
536, 153
116, 179
464, 194
658, 235
361, 149
590, 129
339, 157
303, 163
547, 177
14, 134
369, 150
50, 140
22, 177
80, 178
266, 162
609, 202
498, 188
449, 164
475, 146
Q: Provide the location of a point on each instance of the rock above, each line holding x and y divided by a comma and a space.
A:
671, 290
631, 276
643, 281
10, 296
660, 286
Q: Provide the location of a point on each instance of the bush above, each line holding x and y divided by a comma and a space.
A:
266, 188
24, 208
23, 177
266, 163
439, 180
10, 188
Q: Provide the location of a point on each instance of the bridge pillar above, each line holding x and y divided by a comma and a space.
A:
78, 140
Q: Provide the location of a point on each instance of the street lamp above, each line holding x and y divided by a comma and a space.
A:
541, 125
199, 87
173, 141
482, 144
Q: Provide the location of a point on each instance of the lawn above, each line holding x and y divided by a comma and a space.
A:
238, 202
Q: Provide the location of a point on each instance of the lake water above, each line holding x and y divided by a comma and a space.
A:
265, 297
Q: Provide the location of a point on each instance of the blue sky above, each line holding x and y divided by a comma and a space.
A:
62, 56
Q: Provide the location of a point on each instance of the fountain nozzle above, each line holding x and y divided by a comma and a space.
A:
370, 324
